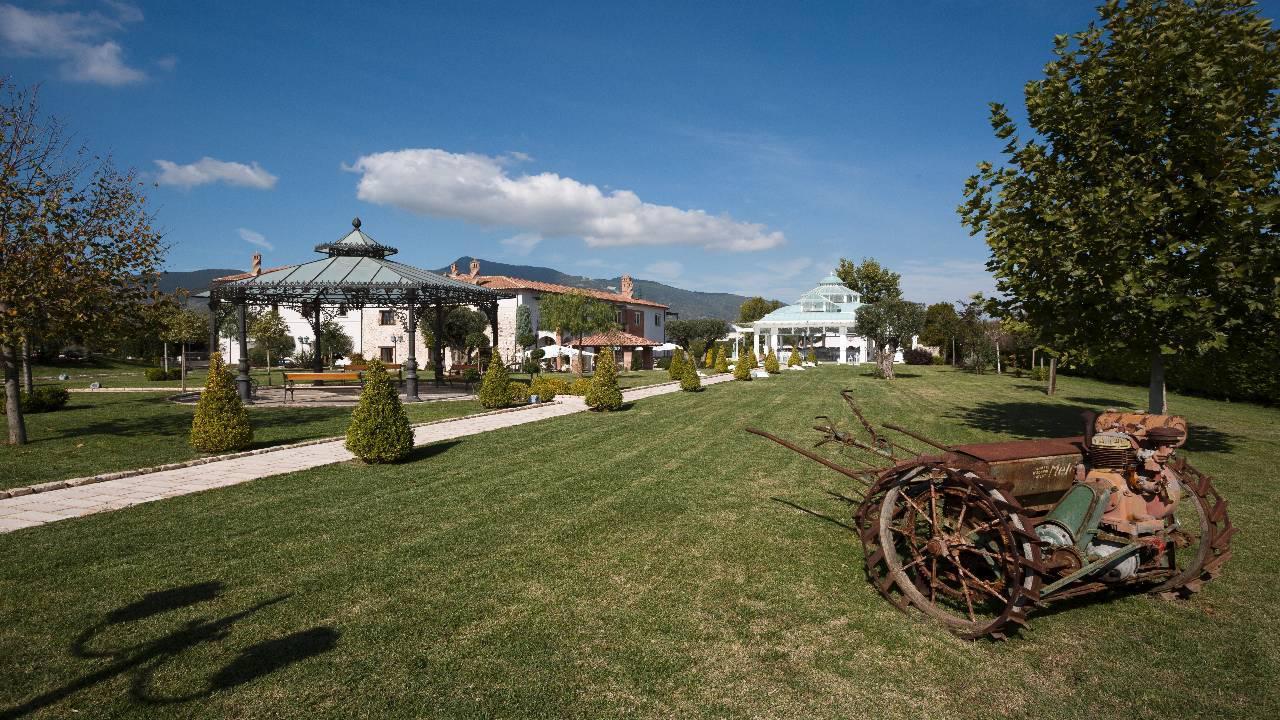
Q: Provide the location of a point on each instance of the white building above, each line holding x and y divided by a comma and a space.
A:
822, 319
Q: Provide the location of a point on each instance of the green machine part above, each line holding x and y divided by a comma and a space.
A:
1079, 512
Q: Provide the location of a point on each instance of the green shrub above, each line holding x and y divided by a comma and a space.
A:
155, 374
793, 358
518, 394
45, 398
221, 423
722, 362
604, 393
771, 363
547, 387
356, 359
494, 390
813, 356
579, 387
663, 363
917, 356
379, 431
676, 369
1040, 373
939, 360
690, 382
470, 375
742, 370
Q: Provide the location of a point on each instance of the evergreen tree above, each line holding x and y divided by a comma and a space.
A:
604, 393
722, 362
676, 370
221, 423
742, 370
813, 356
793, 360
771, 363
689, 381
494, 391
379, 431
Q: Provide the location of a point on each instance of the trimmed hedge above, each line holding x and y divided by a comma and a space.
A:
379, 431
518, 394
771, 363
45, 398
604, 393
917, 356
495, 389
221, 423
157, 374
690, 382
793, 358
676, 370
547, 387
722, 362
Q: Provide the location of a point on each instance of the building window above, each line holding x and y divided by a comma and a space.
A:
657, 319
387, 317
620, 320
638, 318
387, 354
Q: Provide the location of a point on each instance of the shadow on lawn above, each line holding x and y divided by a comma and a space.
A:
282, 426
143, 659
1037, 420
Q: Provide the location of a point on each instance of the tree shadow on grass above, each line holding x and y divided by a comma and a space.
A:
1102, 403
1039, 420
426, 452
141, 660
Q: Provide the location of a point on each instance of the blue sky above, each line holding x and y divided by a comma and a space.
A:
739, 147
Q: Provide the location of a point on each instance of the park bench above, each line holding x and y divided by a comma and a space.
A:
457, 374
341, 378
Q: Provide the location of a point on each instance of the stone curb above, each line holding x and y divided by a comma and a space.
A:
77, 482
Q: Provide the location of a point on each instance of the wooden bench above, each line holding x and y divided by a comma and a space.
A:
342, 378
456, 374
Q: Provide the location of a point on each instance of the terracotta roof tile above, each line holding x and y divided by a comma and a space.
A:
504, 282
242, 276
615, 338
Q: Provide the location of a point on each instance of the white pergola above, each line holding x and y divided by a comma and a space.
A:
827, 312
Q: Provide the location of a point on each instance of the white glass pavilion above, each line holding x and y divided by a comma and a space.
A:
822, 318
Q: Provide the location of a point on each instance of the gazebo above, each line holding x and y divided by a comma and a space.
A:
828, 311
626, 341
355, 273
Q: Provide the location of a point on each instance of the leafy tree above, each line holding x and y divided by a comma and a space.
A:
689, 379
221, 423
771, 363
889, 324
722, 361
379, 431
576, 314
182, 325
604, 393
752, 309
872, 281
495, 389
333, 341
463, 330
941, 326
697, 333
977, 332
525, 334
1139, 218
270, 334
78, 253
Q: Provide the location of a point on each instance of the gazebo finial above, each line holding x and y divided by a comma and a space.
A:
355, 222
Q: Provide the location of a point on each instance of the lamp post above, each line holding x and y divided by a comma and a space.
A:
395, 346
305, 342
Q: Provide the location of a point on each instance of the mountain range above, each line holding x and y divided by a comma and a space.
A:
687, 303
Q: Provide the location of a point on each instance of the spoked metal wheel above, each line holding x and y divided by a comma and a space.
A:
1202, 538
957, 549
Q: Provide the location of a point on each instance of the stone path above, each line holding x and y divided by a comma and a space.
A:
46, 507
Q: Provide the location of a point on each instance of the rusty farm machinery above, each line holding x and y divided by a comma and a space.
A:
978, 536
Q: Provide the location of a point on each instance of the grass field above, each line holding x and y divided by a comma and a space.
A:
98, 433
633, 564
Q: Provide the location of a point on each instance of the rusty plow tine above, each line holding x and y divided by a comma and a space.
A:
796, 448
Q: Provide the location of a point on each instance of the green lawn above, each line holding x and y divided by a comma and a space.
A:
98, 433
633, 564
627, 379
111, 372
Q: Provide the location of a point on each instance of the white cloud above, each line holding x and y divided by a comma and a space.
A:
478, 188
945, 280
255, 238
521, 244
665, 270
208, 170
77, 40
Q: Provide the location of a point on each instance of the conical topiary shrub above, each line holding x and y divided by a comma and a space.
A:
604, 393
379, 431
221, 423
793, 359
771, 363
742, 370
494, 389
676, 370
722, 362
689, 381
813, 356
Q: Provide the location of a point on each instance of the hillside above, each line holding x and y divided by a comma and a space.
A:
193, 280
688, 303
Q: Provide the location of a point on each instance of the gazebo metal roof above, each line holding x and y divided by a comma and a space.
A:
355, 272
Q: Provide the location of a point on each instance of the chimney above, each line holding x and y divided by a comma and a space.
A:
257, 264
453, 269
628, 287
475, 268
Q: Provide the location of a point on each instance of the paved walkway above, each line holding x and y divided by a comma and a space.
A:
46, 507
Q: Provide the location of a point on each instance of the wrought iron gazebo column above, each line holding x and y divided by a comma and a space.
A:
213, 322
437, 342
242, 337
317, 362
492, 310
411, 363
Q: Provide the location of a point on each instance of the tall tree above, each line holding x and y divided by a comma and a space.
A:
464, 331
271, 334
889, 325
871, 280
525, 333
181, 326
940, 326
577, 315
752, 309
333, 341
77, 249
689, 333
1140, 216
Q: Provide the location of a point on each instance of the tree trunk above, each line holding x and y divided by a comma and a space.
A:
999, 368
1157, 403
12, 399
166, 357
28, 382
884, 361
182, 367
953, 351
1053, 375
